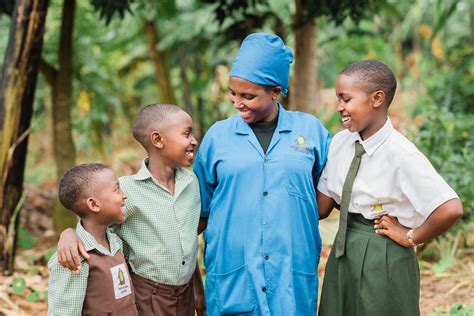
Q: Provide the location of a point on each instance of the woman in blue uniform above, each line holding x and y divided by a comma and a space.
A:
258, 171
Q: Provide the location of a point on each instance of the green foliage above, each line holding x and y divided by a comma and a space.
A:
227, 8
25, 239
108, 8
5, 22
460, 310
336, 10
18, 286
457, 310
340, 10
37, 296
447, 109
50, 253
339, 47
448, 250
331, 122
447, 139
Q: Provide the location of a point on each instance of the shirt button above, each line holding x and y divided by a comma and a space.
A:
183, 263
267, 257
264, 289
265, 193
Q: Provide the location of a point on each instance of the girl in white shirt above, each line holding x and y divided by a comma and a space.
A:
397, 201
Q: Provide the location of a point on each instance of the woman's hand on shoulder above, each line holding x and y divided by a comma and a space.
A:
390, 226
69, 247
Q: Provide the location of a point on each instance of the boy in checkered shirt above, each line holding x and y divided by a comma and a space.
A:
162, 215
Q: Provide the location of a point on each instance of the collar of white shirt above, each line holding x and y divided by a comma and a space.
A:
372, 143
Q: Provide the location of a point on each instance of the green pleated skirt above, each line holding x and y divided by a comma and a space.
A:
376, 276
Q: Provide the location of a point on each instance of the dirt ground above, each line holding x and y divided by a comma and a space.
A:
438, 291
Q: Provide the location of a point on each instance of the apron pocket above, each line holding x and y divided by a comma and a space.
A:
295, 192
234, 291
306, 292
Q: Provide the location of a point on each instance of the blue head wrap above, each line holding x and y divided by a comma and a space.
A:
263, 59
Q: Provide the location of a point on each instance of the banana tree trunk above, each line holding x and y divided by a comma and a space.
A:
17, 90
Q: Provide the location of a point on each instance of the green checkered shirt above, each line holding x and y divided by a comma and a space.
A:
160, 230
67, 291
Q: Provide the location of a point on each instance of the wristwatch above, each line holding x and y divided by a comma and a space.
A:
410, 238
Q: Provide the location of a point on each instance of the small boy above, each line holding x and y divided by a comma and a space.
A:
390, 197
162, 215
103, 285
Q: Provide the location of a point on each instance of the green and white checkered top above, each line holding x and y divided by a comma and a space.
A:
67, 291
160, 230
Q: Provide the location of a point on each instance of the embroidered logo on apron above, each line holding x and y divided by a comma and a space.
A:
301, 145
121, 281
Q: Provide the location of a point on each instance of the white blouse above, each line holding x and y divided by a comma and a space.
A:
394, 177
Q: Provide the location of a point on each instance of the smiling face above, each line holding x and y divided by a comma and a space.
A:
361, 111
177, 140
108, 197
254, 102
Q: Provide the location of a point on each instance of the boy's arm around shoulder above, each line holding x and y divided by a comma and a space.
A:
69, 248
66, 291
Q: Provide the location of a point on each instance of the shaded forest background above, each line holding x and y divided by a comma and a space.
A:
93, 64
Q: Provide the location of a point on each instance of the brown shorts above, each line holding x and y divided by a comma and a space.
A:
161, 299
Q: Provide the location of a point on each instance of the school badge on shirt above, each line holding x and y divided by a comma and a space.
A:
121, 281
301, 144
378, 210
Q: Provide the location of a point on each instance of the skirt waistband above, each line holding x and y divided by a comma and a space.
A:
360, 223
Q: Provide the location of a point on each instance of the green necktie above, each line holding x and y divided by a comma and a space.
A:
346, 197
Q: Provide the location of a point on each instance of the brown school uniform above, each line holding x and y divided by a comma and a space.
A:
162, 300
109, 287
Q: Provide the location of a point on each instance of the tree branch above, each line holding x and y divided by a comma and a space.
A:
48, 71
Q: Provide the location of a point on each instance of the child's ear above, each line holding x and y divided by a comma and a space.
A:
156, 139
93, 204
378, 98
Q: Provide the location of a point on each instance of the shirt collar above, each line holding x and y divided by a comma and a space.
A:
91, 244
372, 143
144, 173
283, 125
